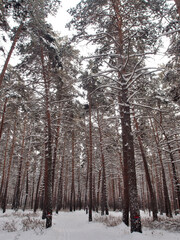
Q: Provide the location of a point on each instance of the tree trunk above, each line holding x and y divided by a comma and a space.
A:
130, 185
151, 191
17, 192
104, 205
3, 116
178, 6
55, 151
48, 151
72, 199
90, 163
36, 201
4, 199
4, 165
98, 190
60, 184
16, 37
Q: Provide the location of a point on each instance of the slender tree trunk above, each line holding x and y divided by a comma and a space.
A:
3, 116
113, 194
87, 173
4, 165
36, 202
16, 37
104, 205
27, 190
79, 188
48, 151
151, 191
60, 184
176, 182
98, 190
55, 151
4, 200
90, 163
17, 192
72, 199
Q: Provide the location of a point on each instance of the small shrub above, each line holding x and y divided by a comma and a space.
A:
32, 224
109, 221
9, 226
168, 224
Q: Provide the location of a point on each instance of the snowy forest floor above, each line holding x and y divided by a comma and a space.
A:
75, 226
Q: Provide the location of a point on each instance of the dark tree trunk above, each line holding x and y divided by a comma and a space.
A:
87, 175
3, 116
72, 199
27, 190
90, 164
98, 191
178, 6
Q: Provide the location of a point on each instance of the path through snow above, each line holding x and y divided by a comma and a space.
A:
75, 226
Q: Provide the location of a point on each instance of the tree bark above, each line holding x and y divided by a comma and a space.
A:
177, 2
130, 185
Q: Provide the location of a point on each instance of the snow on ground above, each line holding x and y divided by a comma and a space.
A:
73, 226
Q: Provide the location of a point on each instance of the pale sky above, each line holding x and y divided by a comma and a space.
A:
62, 17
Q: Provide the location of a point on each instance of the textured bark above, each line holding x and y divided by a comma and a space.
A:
178, 6
16, 37
130, 185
